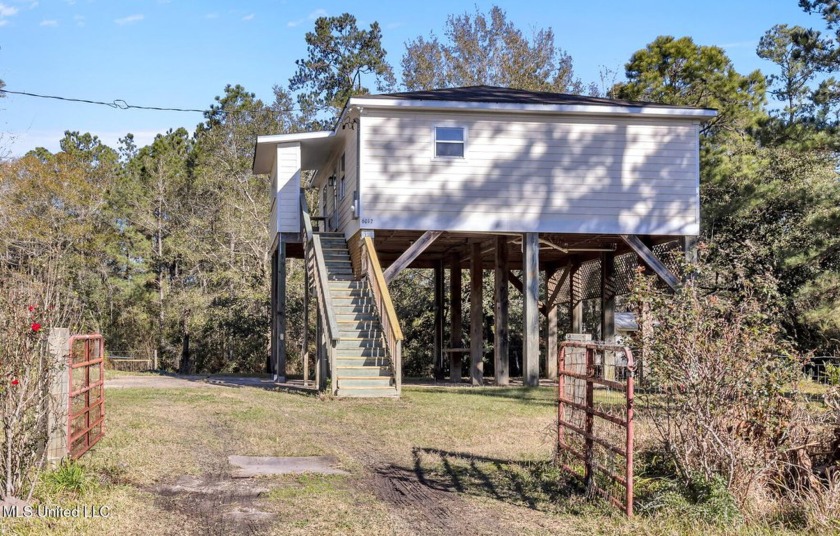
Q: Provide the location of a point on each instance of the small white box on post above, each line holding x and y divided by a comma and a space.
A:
58, 398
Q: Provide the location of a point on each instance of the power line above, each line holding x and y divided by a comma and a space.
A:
120, 104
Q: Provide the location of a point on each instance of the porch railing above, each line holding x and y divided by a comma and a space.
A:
317, 268
391, 330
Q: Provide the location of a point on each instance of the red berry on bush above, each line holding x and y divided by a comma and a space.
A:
36, 327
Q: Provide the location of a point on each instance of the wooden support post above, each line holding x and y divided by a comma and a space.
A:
272, 308
455, 310
608, 297
575, 297
321, 355
531, 324
689, 244
438, 349
501, 356
476, 316
589, 420
280, 312
608, 312
305, 349
551, 343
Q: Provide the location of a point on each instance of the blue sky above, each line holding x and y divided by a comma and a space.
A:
177, 53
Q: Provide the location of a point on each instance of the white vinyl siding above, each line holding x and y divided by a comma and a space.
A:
287, 181
545, 173
344, 213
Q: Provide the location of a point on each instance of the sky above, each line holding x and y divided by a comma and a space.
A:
181, 54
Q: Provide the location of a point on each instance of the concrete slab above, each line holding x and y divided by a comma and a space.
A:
250, 466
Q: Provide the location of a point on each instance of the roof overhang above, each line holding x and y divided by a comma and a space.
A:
699, 114
315, 148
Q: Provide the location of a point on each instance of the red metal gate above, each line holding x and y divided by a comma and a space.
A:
86, 405
595, 418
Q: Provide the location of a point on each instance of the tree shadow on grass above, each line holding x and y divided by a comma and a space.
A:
525, 395
538, 485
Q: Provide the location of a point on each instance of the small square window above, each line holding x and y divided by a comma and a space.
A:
449, 142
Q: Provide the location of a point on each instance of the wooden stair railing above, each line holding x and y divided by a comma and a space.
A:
391, 330
316, 265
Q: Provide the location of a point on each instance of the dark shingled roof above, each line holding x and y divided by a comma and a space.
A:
503, 95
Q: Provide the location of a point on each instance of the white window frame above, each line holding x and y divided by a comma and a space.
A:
435, 142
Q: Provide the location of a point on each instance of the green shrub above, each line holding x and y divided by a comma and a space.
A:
700, 501
832, 374
718, 390
68, 478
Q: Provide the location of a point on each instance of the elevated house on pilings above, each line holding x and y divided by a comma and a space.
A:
571, 189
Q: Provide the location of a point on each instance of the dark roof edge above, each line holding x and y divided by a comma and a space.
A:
500, 95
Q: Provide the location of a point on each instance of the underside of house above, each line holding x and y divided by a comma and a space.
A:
561, 196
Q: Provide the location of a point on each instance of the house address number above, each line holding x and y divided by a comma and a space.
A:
367, 221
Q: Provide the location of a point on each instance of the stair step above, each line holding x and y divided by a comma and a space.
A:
352, 312
354, 342
341, 296
360, 371
372, 382
344, 301
352, 305
360, 353
362, 332
346, 294
348, 273
368, 392
360, 326
353, 285
356, 316
370, 361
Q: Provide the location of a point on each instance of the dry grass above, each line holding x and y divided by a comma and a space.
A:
468, 461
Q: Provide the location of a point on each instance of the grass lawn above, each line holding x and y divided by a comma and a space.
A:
437, 461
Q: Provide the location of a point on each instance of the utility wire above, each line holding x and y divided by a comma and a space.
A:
120, 104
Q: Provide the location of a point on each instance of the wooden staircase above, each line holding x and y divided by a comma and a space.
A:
362, 367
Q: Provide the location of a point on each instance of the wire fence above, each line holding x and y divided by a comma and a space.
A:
595, 418
127, 362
